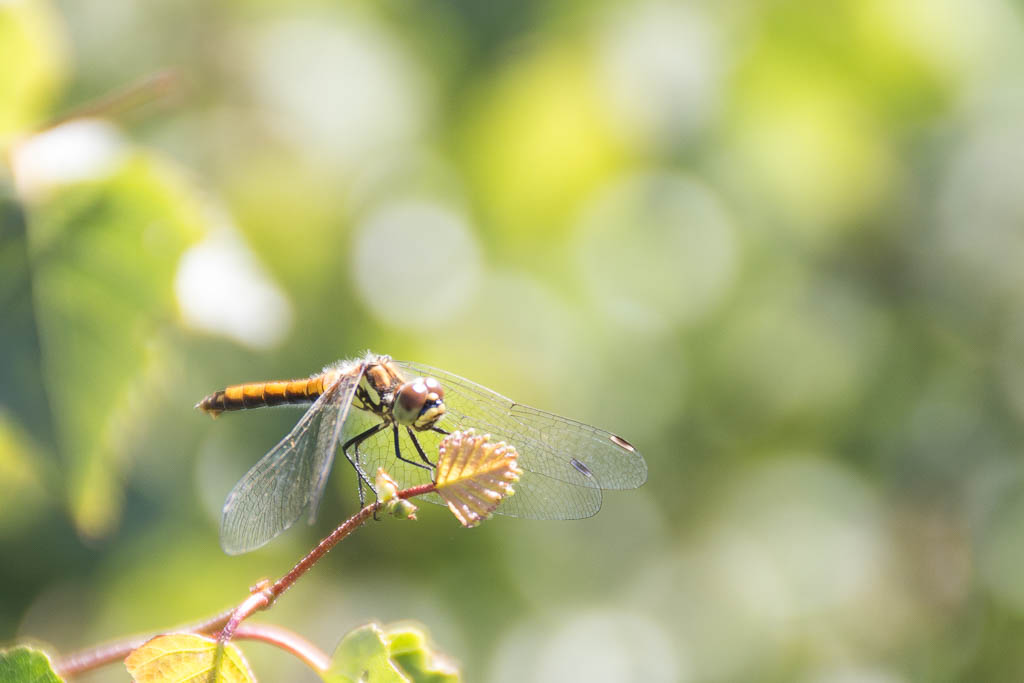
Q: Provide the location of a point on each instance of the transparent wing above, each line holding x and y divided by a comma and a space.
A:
288, 482
566, 463
554, 441
537, 496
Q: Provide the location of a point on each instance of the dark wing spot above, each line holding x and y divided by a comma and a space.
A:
581, 467
622, 443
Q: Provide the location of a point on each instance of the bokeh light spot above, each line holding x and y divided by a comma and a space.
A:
597, 645
416, 264
661, 66
84, 149
341, 89
222, 289
797, 537
656, 250
981, 211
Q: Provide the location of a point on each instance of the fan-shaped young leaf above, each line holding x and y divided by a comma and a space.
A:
474, 475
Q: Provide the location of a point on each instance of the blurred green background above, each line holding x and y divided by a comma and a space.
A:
777, 245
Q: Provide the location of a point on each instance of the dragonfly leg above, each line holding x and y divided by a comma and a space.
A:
419, 449
398, 451
439, 431
354, 443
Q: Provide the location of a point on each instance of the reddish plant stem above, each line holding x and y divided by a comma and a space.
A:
314, 657
264, 598
331, 540
230, 622
261, 599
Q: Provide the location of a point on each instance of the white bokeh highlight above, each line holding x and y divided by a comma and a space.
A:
339, 87
657, 250
661, 66
981, 211
600, 645
83, 149
222, 289
799, 537
416, 263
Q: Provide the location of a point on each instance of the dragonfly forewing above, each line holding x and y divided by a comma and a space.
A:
288, 482
555, 450
537, 496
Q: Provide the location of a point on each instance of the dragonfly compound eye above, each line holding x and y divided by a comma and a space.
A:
409, 401
433, 408
434, 387
419, 403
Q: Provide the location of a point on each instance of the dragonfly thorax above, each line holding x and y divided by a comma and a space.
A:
418, 403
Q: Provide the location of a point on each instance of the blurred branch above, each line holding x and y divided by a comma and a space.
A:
229, 623
314, 657
101, 655
154, 87
264, 595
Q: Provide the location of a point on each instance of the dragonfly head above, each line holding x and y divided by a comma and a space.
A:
419, 403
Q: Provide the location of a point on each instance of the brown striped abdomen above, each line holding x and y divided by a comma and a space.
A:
259, 394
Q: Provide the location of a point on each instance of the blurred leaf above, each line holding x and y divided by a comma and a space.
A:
21, 481
362, 657
474, 476
104, 256
26, 665
30, 38
181, 657
409, 648
26, 431
21, 378
540, 140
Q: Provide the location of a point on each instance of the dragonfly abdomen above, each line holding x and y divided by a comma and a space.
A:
260, 394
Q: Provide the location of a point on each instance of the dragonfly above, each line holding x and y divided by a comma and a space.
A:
393, 414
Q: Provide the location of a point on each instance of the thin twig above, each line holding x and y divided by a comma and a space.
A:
229, 623
314, 657
332, 539
97, 656
260, 599
151, 88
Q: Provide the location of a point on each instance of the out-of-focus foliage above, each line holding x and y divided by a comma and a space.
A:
26, 665
398, 654
104, 255
33, 46
409, 648
776, 245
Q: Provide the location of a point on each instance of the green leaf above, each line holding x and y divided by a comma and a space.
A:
363, 657
26, 448
186, 658
21, 373
399, 654
410, 649
32, 38
21, 478
26, 665
104, 254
